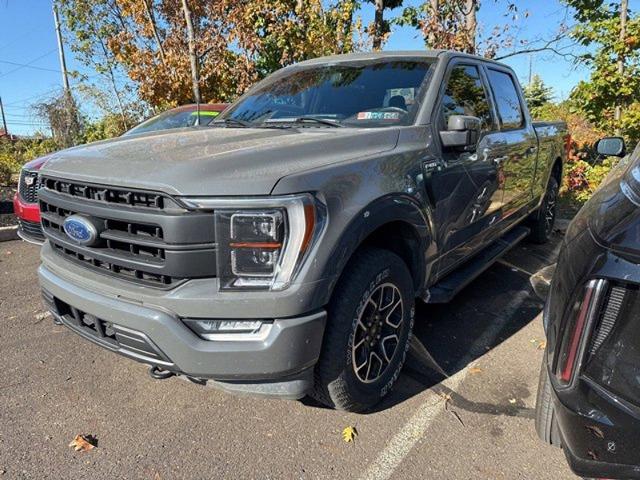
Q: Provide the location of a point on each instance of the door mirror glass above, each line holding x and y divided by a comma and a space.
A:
611, 147
463, 131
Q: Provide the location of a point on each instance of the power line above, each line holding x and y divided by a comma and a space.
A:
22, 101
20, 66
18, 115
20, 36
27, 124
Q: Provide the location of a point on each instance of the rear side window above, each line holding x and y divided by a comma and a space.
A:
507, 99
465, 95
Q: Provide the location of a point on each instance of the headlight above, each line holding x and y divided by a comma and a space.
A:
262, 242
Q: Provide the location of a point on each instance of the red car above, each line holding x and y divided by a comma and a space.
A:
25, 202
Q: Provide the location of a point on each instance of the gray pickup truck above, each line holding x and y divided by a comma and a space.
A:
281, 249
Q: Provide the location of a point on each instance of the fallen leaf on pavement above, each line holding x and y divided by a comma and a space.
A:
512, 401
41, 316
349, 434
474, 370
82, 443
542, 345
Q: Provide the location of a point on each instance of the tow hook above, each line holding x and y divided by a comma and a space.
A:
158, 373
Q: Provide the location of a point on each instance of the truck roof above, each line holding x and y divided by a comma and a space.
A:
400, 54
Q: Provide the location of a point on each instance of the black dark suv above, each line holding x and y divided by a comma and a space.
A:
589, 395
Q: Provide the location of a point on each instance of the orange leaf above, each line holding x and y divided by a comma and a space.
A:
82, 443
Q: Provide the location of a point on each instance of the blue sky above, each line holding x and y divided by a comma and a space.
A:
27, 36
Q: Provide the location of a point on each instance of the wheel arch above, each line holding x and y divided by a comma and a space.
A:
394, 222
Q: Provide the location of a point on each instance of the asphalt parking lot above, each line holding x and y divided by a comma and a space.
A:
462, 409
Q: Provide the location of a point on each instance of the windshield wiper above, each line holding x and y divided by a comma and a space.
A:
323, 121
236, 122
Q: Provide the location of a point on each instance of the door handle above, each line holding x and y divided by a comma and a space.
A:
499, 160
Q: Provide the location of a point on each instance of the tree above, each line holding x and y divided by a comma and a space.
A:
193, 57
611, 35
537, 94
64, 118
88, 26
380, 29
167, 48
441, 23
287, 32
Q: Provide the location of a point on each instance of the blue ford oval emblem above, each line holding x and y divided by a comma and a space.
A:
80, 229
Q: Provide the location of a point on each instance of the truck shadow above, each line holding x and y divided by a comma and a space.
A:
448, 337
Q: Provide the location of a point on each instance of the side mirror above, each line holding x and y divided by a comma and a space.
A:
463, 131
611, 147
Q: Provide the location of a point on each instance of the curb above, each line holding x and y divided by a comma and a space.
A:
8, 233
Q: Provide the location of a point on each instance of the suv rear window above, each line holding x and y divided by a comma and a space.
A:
351, 93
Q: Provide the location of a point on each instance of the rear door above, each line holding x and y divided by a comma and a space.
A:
519, 144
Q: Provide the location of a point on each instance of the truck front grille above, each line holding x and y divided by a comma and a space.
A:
150, 240
28, 186
106, 194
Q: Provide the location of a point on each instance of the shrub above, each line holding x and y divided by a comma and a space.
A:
8, 166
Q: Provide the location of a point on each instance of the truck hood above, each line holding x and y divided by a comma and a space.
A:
215, 161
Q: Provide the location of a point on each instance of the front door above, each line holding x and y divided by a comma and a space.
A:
466, 189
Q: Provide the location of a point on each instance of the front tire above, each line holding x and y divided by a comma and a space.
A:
370, 320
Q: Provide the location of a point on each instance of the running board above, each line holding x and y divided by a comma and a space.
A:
450, 286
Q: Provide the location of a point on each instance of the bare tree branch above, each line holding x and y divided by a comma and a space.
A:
549, 46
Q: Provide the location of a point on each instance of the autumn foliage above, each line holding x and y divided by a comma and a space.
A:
237, 41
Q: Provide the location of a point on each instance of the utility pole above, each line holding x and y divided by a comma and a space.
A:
4, 120
63, 63
530, 67
624, 10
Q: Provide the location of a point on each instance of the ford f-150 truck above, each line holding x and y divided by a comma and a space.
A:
280, 250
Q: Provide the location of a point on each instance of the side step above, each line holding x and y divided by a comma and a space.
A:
450, 286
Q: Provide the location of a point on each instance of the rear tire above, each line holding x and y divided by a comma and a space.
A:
370, 319
546, 423
544, 220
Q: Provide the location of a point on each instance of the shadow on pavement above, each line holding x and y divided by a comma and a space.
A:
489, 311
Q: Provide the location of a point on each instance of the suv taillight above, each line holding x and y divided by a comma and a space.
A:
579, 322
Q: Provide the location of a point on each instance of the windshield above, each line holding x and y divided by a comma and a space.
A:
349, 94
174, 119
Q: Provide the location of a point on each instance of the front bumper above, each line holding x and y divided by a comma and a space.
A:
278, 365
600, 433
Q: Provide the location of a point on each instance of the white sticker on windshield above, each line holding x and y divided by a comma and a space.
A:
378, 115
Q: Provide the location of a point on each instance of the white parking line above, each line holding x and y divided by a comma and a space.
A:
403, 441
414, 429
